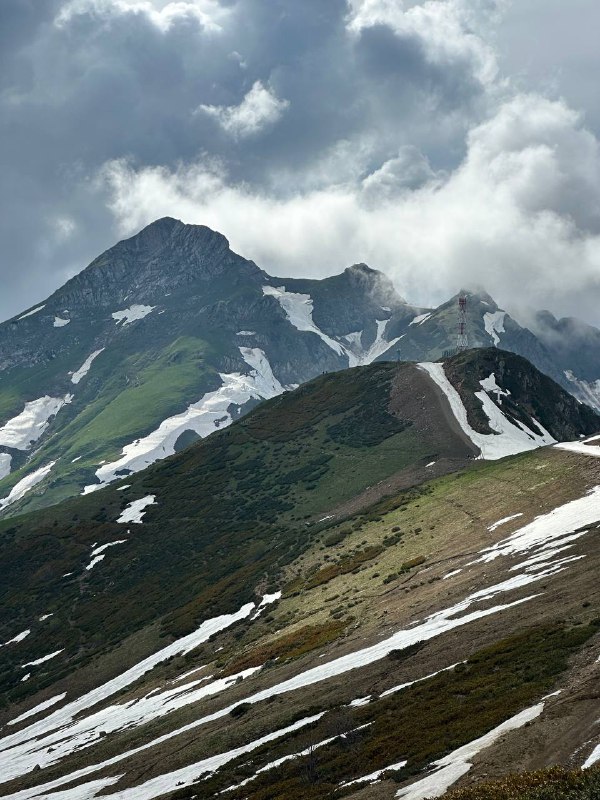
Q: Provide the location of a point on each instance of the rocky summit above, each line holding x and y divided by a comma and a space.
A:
170, 336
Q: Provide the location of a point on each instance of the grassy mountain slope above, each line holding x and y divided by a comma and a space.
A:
358, 498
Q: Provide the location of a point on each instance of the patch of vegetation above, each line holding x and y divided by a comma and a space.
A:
554, 783
288, 647
342, 567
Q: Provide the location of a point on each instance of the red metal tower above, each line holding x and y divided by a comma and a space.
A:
462, 337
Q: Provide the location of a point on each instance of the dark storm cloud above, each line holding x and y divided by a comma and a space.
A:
319, 116
112, 84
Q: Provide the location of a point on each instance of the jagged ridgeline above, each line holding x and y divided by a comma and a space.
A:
170, 336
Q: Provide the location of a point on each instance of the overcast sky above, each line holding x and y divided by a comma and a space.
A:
447, 142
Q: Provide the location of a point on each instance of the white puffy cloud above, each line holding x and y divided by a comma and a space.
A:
446, 30
519, 215
259, 108
162, 13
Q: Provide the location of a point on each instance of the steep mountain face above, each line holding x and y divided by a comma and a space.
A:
170, 336
274, 611
574, 348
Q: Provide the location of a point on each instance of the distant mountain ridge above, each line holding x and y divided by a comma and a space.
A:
170, 335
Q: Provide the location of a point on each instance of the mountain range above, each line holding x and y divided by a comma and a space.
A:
169, 336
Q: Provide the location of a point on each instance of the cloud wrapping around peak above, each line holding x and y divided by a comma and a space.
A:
313, 135
259, 108
520, 207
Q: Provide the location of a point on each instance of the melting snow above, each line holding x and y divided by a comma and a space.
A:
21, 488
453, 766
451, 574
131, 314
42, 659
5, 459
94, 561
38, 709
360, 356
420, 319
504, 520
60, 323
494, 324
97, 550
45, 742
246, 333
26, 428
85, 367
374, 776
136, 509
592, 758
555, 525
299, 311
510, 438
33, 311
18, 638
210, 413
45, 616
583, 447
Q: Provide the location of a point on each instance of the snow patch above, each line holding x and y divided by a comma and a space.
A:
131, 314
94, 561
373, 777
18, 638
5, 459
494, 324
42, 660
210, 413
246, 333
456, 764
136, 509
85, 367
555, 525
38, 709
33, 311
22, 431
299, 311
504, 520
586, 391
60, 323
509, 438
21, 488
420, 319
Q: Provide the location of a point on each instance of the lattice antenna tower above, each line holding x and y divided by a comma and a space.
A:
462, 336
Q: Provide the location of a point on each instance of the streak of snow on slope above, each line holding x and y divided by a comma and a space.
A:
504, 520
33, 311
97, 550
45, 616
94, 561
85, 367
42, 660
299, 311
433, 626
21, 488
29, 746
451, 574
362, 357
5, 459
581, 447
587, 392
373, 777
186, 776
456, 764
420, 318
494, 324
26, 428
59, 322
555, 525
135, 510
210, 413
38, 709
593, 758
246, 333
18, 638
509, 439
131, 314
447, 619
